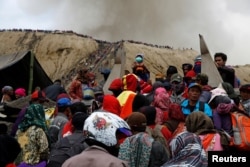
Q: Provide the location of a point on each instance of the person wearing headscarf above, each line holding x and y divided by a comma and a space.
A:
155, 85
111, 104
176, 120
20, 92
161, 103
7, 92
32, 133
231, 92
200, 124
186, 150
221, 114
140, 149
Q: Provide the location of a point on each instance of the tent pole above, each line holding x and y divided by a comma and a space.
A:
31, 72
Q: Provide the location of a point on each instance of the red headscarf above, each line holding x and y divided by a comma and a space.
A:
111, 104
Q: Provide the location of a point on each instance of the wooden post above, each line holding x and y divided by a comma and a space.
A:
31, 72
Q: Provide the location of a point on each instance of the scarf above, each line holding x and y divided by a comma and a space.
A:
187, 150
136, 150
34, 116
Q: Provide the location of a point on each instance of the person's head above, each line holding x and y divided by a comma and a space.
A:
130, 82
170, 71
194, 91
63, 105
201, 79
189, 77
177, 84
111, 104
78, 120
187, 150
10, 149
58, 82
139, 58
175, 112
214, 93
116, 87
139, 101
245, 92
38, 96
8, 90
78, 107
98, 92
150, 114
198, 122
220, 59
137, 122
186, 67
82, 75
104, 129
20, 92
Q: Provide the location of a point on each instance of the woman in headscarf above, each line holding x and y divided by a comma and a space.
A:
176, 120
161, 102
200, 124
140, 149
186, 150
8, 93
32, 134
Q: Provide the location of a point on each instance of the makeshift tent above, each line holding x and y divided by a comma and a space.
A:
22, 69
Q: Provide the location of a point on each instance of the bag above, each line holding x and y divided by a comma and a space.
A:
66, 150
241, 131
158, 136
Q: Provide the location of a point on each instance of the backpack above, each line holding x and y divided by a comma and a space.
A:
241, 131
66, 150
158, 136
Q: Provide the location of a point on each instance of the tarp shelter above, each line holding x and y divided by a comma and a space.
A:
22, 69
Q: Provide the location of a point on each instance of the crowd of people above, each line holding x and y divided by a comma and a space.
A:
174, 121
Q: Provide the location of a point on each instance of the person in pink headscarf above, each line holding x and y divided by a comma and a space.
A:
20, 92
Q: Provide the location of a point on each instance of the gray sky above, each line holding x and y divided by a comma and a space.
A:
176, 23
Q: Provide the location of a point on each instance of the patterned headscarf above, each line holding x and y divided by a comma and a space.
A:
187, 150
34, 116
136, 150
199, 123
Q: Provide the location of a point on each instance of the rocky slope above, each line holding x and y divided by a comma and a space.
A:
62, 53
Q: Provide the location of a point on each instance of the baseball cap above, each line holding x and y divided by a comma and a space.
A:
217, 92
176, 77
64, 102
195, 85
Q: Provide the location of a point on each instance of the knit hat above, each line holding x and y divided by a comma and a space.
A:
20, 92
137, 121
130, 82
116, 84
176, 77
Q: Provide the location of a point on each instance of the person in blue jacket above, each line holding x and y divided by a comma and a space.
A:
192, 103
